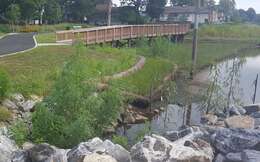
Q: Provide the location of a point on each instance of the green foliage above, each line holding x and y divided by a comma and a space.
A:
19, 132
121, 140
145, 131
13, 13
155, 8
5, 114
4, 84
161, 47
74, 111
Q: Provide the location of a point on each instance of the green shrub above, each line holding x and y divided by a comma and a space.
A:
19, 132
4, 84
5, 114
74, 111
121, 140
161, 47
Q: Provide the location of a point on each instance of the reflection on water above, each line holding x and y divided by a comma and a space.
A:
229, 82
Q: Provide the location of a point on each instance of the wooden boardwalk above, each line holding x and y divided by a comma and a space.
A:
121, 32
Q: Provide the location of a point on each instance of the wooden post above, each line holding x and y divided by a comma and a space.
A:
255, 82
109, 12
195, 40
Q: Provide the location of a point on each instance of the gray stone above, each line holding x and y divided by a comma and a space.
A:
7, 147
158, 149
28, 106
220, 158
9, 104
250, 156
98, 158
255, 114
235, 140
96, 145
175, 135
20, 156
252, 109
233, 111
234, 157
47, 153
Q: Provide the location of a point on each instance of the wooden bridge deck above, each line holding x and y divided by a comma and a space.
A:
121, 32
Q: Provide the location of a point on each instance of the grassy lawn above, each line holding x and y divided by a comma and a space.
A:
239, 31
46, 38
34, 72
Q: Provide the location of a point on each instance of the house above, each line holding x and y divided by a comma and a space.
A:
187, 13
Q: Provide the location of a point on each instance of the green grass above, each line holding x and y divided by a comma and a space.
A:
239, 31
46, 38
34, 72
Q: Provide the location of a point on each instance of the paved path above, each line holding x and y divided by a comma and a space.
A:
16, 43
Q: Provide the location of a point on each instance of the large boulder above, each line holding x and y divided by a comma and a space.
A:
246, 122
98, 158
250, 156
156, 148
250, 109
234, 157
209, 119
40, 153
220, 158
28, 105
96, 145
10, 104
7, 146
235, 140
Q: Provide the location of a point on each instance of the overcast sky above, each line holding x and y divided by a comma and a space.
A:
245, 4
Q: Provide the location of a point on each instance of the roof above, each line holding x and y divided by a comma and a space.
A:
184, 10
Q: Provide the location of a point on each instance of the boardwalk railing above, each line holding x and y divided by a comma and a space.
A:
120, 32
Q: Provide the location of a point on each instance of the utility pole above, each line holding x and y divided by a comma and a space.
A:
195, 39
255, 82
109, 12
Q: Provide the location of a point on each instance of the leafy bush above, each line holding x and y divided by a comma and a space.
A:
121, 140
4, 84
74, 111
161, 47
5, 114
20, 132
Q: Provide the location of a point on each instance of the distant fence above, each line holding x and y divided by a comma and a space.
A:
121, 32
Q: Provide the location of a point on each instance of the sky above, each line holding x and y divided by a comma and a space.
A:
244, 4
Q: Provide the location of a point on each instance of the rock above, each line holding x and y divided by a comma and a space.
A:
47, 153
158, 149
156, 111
28, 106
140, 118
36, 98
252, 109
20, 156
250, 156
9, 104
234, 157
240, 122
98, 158
210, 119
235, 140
241, 110
17, 98
7, 146
27, 146
220, 158
233, 111
255, 114
96, 145
130, 119
175, 135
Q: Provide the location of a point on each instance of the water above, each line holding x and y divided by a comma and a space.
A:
229, 82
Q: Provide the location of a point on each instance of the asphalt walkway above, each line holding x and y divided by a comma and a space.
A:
16, 43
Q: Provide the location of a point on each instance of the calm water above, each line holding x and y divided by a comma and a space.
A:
233, 79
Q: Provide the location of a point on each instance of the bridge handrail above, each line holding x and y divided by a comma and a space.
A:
119, 32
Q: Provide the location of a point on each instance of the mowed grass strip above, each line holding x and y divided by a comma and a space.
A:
34, 72
46, 38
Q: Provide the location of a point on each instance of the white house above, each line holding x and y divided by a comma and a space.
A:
187, 13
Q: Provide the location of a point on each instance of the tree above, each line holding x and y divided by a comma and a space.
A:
53, 12
75, 110
227, 7
251, 14
182, 2
138, 4
13, 14
155, 8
